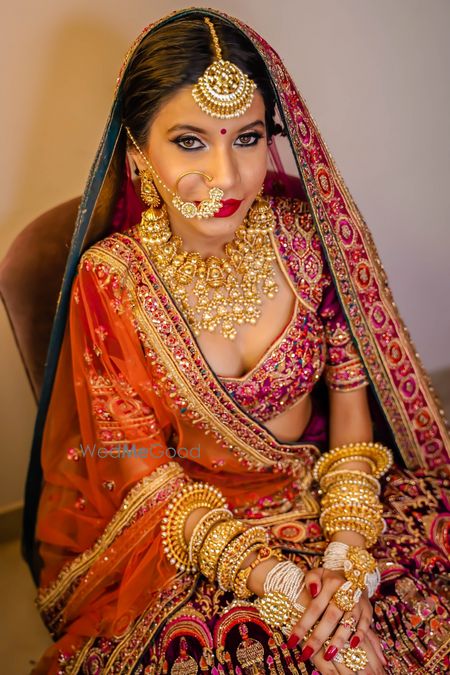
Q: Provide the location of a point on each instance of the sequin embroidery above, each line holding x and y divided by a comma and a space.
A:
316, 339
287, 372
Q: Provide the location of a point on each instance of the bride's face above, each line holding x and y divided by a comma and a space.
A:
183, 138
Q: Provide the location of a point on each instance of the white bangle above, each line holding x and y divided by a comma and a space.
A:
286, 578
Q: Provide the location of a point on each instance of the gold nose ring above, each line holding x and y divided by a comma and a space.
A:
188, 173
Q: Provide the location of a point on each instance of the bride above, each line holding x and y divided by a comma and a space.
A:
211, 304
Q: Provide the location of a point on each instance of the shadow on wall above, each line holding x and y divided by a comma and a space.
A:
67, 117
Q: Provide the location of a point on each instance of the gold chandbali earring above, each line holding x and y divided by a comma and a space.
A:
154, 226
206, 209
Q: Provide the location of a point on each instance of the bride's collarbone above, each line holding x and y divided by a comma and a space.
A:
236, 358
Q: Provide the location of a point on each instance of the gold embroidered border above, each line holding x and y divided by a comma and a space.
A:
138, 495
272, 453
382, 374
141, 633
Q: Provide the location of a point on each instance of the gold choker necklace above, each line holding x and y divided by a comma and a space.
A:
227, 290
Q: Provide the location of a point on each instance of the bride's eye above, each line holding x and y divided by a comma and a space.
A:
188, 143
249, 139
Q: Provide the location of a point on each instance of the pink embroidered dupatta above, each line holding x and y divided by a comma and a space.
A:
99, 534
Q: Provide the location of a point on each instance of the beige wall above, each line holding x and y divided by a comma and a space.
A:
375, 75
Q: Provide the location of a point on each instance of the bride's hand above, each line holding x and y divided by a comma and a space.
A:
374, 665
321, 584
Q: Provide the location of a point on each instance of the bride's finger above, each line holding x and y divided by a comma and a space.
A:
321, 632
345, 629
313, 581
364, 622
374, 665
314, 611
375, 641
324, 667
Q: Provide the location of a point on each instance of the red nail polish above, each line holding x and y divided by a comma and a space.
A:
315, 672
354, 642
330, 653
292, 641
313, 589
306, 653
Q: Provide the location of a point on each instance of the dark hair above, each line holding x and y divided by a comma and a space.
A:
176, 55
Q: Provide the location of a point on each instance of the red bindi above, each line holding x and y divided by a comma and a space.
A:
223, 131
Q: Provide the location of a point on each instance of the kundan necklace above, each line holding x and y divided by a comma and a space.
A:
227, 290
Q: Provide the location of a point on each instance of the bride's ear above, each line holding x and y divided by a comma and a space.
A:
132, 162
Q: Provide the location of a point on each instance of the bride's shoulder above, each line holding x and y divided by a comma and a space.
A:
294, 220
300, 247
293, 213
114, 253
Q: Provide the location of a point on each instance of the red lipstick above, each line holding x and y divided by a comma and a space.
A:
229, 206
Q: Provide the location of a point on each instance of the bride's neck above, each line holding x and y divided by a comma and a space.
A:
203, 244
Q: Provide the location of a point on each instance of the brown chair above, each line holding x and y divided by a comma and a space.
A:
30, 279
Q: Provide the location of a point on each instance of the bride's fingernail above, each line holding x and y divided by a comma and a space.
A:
313, 589
306, 653
354, 642
292, 641
330, 653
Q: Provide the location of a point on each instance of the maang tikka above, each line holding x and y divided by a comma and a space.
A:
223, 91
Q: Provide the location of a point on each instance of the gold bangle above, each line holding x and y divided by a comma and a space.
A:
346, 496
231, 557
362, 526
224, 577
351, 476
240, 587
355, 458
361, 518
337, 509
375, 451
216, 540
202, 528
191, 497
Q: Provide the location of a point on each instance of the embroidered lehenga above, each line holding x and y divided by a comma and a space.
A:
125, 371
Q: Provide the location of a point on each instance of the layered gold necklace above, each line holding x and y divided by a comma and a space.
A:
222, 293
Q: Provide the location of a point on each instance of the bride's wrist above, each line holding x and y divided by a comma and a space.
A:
349, 537
192, 520
257, 576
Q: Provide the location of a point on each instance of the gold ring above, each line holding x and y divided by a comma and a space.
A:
344, 598
188, 173
355, 659
350, 623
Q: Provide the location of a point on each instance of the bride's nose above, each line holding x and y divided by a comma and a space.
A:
224, 169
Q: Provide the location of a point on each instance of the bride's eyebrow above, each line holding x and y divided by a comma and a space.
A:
256, 123
199, 130
186, 127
